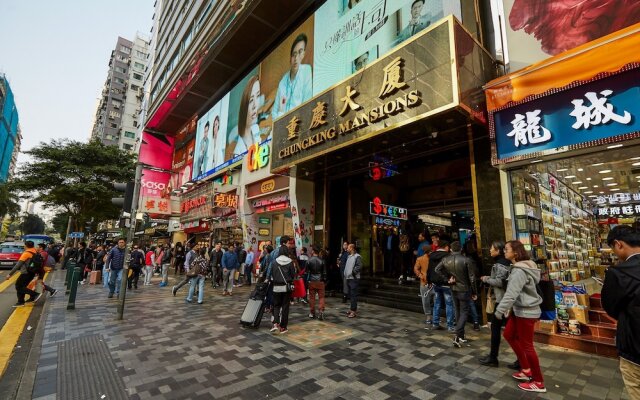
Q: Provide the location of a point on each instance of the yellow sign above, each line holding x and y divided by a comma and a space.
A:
267, 186
225, 200
349, 103
392, 80
319, 114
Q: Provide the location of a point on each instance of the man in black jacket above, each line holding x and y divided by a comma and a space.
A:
459, 271
440, 287
621, 300
215, 260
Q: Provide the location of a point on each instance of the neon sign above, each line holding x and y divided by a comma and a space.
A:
258, 156
383, 210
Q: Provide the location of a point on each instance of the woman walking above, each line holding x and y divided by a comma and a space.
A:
522, 296
497, 283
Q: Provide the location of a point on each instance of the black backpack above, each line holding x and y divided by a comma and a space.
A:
36, 262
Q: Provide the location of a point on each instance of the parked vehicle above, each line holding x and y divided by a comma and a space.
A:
10, 253
37, 239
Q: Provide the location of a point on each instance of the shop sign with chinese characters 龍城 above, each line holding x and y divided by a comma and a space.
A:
592, 114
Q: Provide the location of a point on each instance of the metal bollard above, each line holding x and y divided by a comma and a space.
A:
74, 289
71, 265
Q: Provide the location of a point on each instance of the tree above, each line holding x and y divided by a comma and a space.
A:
76, 177
8, 201
59, 223
32, 224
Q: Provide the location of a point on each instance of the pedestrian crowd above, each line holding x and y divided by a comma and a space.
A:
447, 271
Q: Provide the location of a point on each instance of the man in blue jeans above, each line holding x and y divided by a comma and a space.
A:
441, 288
352, 270
115, 264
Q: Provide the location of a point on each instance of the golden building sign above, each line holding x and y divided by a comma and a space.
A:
414, 82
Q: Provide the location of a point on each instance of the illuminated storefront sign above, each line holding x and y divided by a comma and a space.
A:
272, 203
595, 113
263, 232
197, 204
617, 198
190, 204
387, 221
224, 180
270, 185
258, 156
225, 200
383, 210
264, 220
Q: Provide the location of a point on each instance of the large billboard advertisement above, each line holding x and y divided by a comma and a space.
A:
539, 29
350, 34
182, 163
210, 140
286, 75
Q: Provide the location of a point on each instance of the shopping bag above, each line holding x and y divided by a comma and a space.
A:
32, 284
298, 288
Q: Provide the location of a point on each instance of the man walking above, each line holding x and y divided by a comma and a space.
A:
27, 267
621, 300
137, 261
191, 255
229, 266
352, 270
215, 258
165, 262
115, 265
317, 277
459, 271
441, 288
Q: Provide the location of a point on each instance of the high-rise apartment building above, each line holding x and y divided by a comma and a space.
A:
117, 119
10, 136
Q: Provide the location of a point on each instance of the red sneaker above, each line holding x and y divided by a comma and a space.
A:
522, 376
533, 387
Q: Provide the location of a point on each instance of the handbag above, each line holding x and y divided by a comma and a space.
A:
491, 302
287, 287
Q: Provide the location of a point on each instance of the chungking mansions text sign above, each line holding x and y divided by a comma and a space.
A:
407, 84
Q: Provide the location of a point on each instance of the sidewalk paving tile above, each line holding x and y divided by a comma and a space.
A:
167, 349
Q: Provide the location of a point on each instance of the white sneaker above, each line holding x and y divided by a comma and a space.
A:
275, 328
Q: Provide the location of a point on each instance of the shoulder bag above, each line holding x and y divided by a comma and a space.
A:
287, 287
491, 302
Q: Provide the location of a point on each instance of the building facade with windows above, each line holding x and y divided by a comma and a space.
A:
117, 119
10, 136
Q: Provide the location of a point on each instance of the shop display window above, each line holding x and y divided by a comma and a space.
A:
555, 224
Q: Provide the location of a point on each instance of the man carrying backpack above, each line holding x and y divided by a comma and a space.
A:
30, 261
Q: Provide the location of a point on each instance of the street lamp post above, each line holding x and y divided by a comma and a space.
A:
132, 228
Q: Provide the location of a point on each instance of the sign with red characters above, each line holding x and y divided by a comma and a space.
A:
197, 203
383, 210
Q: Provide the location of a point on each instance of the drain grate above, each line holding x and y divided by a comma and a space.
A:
87, 371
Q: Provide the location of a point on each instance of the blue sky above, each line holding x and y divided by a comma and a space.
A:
56, 54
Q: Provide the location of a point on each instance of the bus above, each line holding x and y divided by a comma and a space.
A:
37, 239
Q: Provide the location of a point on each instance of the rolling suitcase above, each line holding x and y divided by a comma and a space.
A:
253, 311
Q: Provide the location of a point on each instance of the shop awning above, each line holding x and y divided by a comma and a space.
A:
608, 54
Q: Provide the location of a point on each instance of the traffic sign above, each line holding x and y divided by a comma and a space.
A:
76, 235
